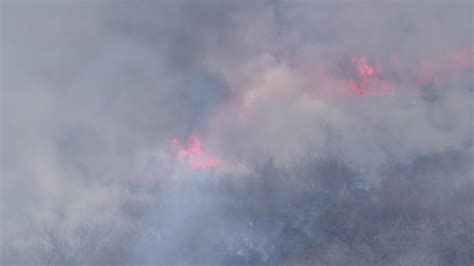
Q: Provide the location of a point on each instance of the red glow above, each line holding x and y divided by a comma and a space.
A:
193, 154
368, 80
363, 68
366, 76
436, 71
463, 58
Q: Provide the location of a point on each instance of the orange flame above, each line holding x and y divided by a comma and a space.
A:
368, 79
193, 154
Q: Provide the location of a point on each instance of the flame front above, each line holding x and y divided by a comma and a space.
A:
193, 154
368, 79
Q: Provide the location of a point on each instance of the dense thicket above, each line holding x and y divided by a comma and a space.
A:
316, 212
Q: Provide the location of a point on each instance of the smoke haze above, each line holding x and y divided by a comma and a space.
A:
242, 133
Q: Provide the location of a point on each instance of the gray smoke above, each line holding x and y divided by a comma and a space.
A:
92, 92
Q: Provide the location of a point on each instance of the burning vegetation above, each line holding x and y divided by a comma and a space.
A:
237, 133
193, 154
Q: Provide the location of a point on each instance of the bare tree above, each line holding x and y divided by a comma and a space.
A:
63, 244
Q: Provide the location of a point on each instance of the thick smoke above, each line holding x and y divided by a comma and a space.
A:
242, 133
